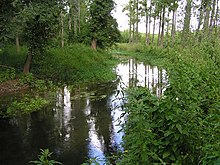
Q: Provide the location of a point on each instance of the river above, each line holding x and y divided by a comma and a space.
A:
83, 123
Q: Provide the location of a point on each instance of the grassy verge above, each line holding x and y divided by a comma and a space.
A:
75, 64
149, 55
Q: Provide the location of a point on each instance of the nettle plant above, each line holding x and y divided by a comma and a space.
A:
182, 127
44, 158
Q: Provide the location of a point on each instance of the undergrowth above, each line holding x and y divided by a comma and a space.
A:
182, 126
75, 64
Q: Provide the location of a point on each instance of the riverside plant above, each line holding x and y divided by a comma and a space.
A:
43, 158
181, 127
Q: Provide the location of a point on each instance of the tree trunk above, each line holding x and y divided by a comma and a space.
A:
94, 44
216, 20
27, 65
70, 16
79, 16
154, 29
130, 31
17, 44
146, 25
162, 30
137, 21
130, 22
201, 12
212, 22
206, 20
158, 39
186, 27
167, 32
149, 24
133, 31
62, 29
173, 27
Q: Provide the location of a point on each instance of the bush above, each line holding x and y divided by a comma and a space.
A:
182, 127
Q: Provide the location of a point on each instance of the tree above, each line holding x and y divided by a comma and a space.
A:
7, 13
41, 22
187, 18
103, 27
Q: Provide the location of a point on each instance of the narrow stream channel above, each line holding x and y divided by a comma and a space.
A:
83, 123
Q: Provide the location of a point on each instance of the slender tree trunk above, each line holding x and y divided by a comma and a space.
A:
186, 27
133, 33
154, 25
79, 16
212, 22
75, 15
94, 44
130, 22
70, 24
216, 20
158, 39
201, 13
130, 31
17, 44
70, 17
173, 27
62, 29
28, 61
149, 24
137, 21
167, 32
206, 20
162, 30
216, 14
147, 20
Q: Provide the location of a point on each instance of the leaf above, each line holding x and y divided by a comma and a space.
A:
179, 127
166, 154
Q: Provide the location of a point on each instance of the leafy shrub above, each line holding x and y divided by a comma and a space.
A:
182, 127
26, 105
44, 158
6, 74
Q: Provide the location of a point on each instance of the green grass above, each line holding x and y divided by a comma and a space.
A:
75, 64
147, 54
72, 64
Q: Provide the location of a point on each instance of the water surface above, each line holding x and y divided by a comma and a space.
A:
83, 123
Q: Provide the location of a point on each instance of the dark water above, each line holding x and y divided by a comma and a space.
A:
82, 124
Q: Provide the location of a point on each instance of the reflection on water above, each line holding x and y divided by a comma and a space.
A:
82, 124
134, 74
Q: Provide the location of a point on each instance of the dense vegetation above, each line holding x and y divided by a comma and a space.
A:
180, 127
43, 42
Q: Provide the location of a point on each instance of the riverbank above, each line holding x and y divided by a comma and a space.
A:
181, 127
74, 65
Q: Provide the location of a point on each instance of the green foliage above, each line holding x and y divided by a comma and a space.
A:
7, 12
9, 57
6, 73
26, 105
75, 63
103, 27
181, 127
44, 158
41, 22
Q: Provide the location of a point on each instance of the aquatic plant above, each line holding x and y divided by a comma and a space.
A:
43, 158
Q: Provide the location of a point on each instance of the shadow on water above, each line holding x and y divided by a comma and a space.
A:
83, 123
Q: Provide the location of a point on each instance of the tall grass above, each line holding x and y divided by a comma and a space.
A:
75, 63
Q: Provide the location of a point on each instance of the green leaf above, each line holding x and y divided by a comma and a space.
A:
179, 127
